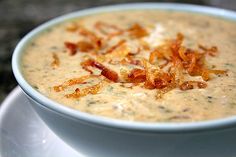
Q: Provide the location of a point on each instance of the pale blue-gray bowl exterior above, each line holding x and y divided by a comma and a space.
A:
104, 137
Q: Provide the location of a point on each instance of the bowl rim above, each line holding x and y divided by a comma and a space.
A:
109, 122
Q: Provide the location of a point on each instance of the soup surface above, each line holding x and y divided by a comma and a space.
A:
147, 65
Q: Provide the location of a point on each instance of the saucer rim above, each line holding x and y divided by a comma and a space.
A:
16, 91
7, 103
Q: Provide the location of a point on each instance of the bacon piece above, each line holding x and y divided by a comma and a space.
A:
103, 27
86, 64
72, 27
156, 78
131, 60
181, 61
153, 55
84, 46
156, 54
74, 81
172, 85
218, 72
137, 75
108, 73
164, 80
150, 72
97, 41
205, 74
55, 63
161, 52
193, 62
88, 90
119, 53
137, 31
191, 84
212, 51
72, 47
182, 53
176, 44
116, 56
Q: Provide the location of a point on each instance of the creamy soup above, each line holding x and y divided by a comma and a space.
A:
153, 66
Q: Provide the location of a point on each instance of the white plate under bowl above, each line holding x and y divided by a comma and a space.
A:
24, 134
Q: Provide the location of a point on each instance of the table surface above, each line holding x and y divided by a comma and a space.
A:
18, 17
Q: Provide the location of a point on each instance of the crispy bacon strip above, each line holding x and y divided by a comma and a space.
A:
56, 62
97, 41
88, 90
191, 84
163, 52
182, 53
164, 80
82, 46
191, 60
85, 46
72, 82
206, 73
108, 73
212, 51
118, 54
72, 27
181, 61
130, 60
137, 75
72, 47
158, 79
172, 85
137, 31
176, 44
150, 73
103, 27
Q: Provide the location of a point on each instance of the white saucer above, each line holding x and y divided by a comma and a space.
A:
24, 134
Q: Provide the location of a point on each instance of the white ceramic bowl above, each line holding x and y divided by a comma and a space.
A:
97, 136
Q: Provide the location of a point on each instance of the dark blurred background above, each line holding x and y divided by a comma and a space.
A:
18, 17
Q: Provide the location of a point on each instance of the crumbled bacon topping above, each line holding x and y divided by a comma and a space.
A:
94, 39
130, 60
107, 29
72, 47
55, 63
108, 73
137, 31
137, 75
74, 81
72, 27
191, 84
212, 51
167, 67
84, 46
88, 90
